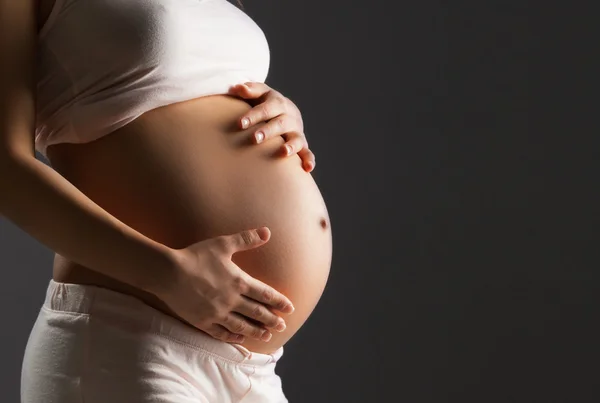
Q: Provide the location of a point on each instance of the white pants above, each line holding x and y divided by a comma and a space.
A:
94, 345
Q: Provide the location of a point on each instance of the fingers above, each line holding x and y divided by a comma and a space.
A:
281, 117
274, 107
260, 313
238, 325
261, 292
308, 159
278, 126
294, 143
250, 90
244, 240
221, 333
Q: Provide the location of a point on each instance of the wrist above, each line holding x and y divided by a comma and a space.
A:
158, 280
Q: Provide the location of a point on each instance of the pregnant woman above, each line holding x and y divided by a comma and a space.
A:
188, 252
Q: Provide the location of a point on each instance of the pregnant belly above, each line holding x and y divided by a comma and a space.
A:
183, 173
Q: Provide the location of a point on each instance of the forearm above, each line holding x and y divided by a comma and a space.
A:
44, 204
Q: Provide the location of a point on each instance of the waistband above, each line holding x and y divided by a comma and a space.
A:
134, 314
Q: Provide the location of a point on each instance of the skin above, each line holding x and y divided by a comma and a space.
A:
184, 173
148, 186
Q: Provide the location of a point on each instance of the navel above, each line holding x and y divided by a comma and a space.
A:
323, 223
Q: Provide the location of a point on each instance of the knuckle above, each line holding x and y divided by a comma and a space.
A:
240, 327
229, 301
240, 285
223, 301
265, 110
210, 293
257, 312
220, 333
280, 304
277, 321
267, 294
247, 237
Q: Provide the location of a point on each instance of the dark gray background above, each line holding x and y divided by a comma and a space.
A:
463, 198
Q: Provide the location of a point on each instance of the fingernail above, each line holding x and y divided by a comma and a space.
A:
259, 136
239, 338
288, 149
290, 308
280, 326
266, 336
245, 123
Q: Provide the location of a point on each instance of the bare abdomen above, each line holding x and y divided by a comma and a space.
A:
184, 173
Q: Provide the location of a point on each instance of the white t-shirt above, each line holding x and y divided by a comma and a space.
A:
103, 63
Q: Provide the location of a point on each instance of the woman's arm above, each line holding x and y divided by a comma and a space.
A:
39, 200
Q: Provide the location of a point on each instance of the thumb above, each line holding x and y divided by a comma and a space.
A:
247, 239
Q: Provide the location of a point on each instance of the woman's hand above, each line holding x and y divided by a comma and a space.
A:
283, 117
211, 293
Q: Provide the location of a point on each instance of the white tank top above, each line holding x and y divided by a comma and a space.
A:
103, 63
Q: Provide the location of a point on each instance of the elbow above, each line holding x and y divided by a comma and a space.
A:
11, 155
12, 160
